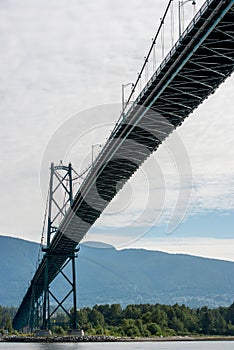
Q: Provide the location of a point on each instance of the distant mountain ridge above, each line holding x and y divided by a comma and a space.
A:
106, 275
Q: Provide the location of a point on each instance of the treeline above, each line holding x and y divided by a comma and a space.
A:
156, 320
6, 316
143, 320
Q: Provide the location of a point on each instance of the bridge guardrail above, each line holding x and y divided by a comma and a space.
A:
174, 48
162, 65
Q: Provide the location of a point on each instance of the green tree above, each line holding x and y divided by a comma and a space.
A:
133, 332
82, 317
96, 318
230, 314
176, 324
207, 321
114, 314
58, 330
160, 317
220, 324
154, 329
132, 311
147, 317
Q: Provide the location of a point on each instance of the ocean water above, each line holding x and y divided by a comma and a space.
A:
206, 345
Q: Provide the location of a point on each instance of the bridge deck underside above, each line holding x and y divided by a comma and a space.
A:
203, 59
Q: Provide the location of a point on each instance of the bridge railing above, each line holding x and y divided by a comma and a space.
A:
175, 47
189, 28
129, 109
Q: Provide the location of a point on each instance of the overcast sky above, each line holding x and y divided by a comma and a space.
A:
59, 58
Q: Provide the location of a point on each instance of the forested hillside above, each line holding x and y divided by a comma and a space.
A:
128, 276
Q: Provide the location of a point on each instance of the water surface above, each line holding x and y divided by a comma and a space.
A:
206, 345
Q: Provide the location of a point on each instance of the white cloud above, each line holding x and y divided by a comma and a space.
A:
199, 246
204, 247
59, 58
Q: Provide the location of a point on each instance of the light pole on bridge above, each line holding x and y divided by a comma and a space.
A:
181, 4
123, 98
93, 146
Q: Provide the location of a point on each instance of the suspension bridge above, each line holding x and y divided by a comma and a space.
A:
201, 59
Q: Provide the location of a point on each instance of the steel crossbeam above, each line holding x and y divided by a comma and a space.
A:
196, 66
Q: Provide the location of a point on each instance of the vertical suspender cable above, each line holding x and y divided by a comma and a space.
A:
162, 37
172, 24
182, 17
154, 57
194, 9
151, 48
43, 231
146, 71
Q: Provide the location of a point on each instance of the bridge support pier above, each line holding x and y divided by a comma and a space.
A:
60, 185
49, 295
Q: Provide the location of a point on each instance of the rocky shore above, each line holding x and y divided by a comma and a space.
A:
77, 339
57, 339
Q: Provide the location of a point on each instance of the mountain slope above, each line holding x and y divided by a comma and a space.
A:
106, 275
17, 261
141, 276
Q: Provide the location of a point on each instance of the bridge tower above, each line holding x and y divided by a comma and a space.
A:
60, 185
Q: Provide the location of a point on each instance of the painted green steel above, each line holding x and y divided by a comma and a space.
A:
195, 67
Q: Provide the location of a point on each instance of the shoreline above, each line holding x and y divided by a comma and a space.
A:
99, 339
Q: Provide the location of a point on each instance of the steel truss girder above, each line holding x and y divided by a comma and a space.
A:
184, 93
35, 312
192, 72
174, 102
207, 68
195, 81
171, 73
170, 113
219, 54
186, 86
